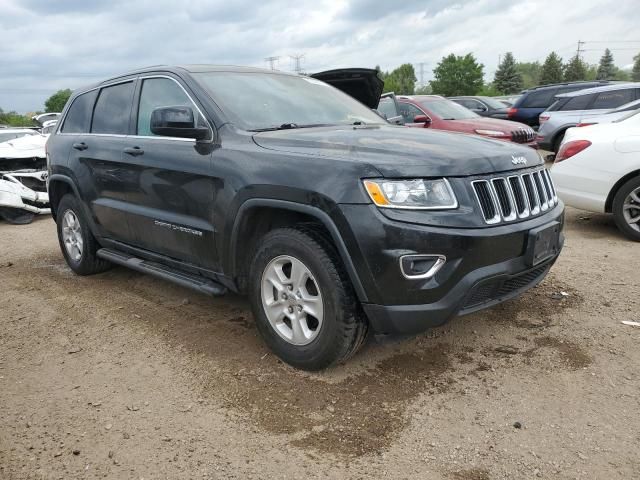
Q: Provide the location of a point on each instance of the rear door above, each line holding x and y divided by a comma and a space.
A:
173, 187
97, 160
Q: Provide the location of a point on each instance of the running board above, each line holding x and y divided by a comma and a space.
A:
188, 280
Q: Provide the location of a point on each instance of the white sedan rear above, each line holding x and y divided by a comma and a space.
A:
598, 169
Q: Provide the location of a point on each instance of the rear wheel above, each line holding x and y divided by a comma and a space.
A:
77, 243
303, 302
626, 209
557, 142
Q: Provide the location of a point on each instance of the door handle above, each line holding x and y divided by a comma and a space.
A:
80, 146
133, 151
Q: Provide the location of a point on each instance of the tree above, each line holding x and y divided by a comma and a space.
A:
635, 73
508, 79
606, 68
424, 90
530, 72
575, 70
401, 81
458, 75
57, 101
551, 70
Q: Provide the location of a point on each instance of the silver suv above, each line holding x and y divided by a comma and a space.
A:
573, 108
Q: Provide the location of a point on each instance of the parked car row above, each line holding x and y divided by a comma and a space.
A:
592, 105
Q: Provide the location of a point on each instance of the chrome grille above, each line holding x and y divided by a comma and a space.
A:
504, 199
523, 135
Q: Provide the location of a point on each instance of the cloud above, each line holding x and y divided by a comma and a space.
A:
68, 43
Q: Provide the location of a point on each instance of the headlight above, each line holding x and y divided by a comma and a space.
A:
491, 133
415, 194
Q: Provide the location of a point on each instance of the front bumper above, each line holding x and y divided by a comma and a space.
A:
484, 266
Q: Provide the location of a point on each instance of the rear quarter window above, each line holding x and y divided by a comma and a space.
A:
539, 99
79, 114
613, 98
113, 108
578, 103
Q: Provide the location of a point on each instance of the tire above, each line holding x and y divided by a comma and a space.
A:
626, 206
557, 142
341, 328
82, 260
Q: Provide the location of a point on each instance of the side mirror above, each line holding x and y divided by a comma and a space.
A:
422, 119
176, 122
478, 110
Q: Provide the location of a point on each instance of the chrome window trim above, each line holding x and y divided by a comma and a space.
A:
440, 261
150, 137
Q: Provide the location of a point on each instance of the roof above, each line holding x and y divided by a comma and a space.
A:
177, 69
566, 84
603, 88
421, 97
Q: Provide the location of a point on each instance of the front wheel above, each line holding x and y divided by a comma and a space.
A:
626, 209
303, 302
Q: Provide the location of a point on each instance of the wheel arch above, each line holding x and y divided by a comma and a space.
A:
294, 213
58, 187
612, 193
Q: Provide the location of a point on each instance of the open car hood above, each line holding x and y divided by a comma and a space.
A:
363, 84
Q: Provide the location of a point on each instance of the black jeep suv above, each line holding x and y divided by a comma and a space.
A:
283, 187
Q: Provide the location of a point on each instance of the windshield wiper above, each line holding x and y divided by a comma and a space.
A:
289, 126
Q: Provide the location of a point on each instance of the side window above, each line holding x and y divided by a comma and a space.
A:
79, 114
540, 99
387, 107
409, 111
578, 103
161, 92
613, 99
111, 114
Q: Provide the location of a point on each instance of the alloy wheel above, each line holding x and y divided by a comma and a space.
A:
292, 300
72, 235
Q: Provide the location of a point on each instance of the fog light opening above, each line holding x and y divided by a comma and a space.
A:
421, 267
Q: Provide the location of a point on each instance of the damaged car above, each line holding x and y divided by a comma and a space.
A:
23, 177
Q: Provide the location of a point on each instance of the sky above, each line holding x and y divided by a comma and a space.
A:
48, 45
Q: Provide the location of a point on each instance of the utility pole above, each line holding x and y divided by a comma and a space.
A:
421, 65
296, 62
579, 50
272, 62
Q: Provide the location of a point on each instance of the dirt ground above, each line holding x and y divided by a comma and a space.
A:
120, 375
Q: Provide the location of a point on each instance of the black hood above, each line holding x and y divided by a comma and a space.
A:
363, 84
397, 151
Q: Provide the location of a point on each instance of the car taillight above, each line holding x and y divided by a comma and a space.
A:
512, 112
586, 124
569, 149
543, 118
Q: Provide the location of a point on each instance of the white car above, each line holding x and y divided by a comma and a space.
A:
598, 169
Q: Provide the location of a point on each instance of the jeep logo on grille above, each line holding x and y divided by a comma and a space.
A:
518, 160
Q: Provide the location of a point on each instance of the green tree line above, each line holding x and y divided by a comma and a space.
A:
464, 75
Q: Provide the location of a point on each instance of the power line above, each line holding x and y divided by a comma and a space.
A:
296, 62
272, 61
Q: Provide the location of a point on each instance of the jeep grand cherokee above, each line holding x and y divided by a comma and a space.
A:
285, 188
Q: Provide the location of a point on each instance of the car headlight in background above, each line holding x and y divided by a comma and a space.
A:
491, 133
416, 194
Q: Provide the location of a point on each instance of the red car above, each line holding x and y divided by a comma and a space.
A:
434, 111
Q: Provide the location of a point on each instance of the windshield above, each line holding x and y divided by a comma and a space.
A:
256, 101
6, 136
496, 104
448, 110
